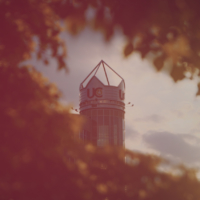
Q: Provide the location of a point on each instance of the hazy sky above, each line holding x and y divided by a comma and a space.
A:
165, 118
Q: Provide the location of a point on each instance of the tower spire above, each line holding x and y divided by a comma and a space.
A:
104, 65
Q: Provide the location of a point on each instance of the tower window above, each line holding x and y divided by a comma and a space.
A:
100, 112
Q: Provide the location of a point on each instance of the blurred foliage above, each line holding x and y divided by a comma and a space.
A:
168, 29
41, 155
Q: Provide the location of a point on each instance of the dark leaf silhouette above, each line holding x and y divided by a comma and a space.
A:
178, 73
128, 49
159, 62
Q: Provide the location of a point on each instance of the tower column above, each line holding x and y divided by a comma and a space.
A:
104, 108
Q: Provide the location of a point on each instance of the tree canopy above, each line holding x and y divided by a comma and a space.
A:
41, 157
167, 29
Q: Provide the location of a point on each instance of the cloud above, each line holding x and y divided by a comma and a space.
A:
151, 118
195, 131
181, 146
131, 132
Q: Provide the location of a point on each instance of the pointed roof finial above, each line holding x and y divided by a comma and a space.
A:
96, 70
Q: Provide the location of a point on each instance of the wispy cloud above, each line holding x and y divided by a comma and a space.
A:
182, 146
151, 118
131, 132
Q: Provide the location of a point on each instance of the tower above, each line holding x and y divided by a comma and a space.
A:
103, 106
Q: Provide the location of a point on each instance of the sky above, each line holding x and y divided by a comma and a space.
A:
165, 119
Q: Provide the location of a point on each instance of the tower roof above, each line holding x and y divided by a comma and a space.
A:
103, 66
